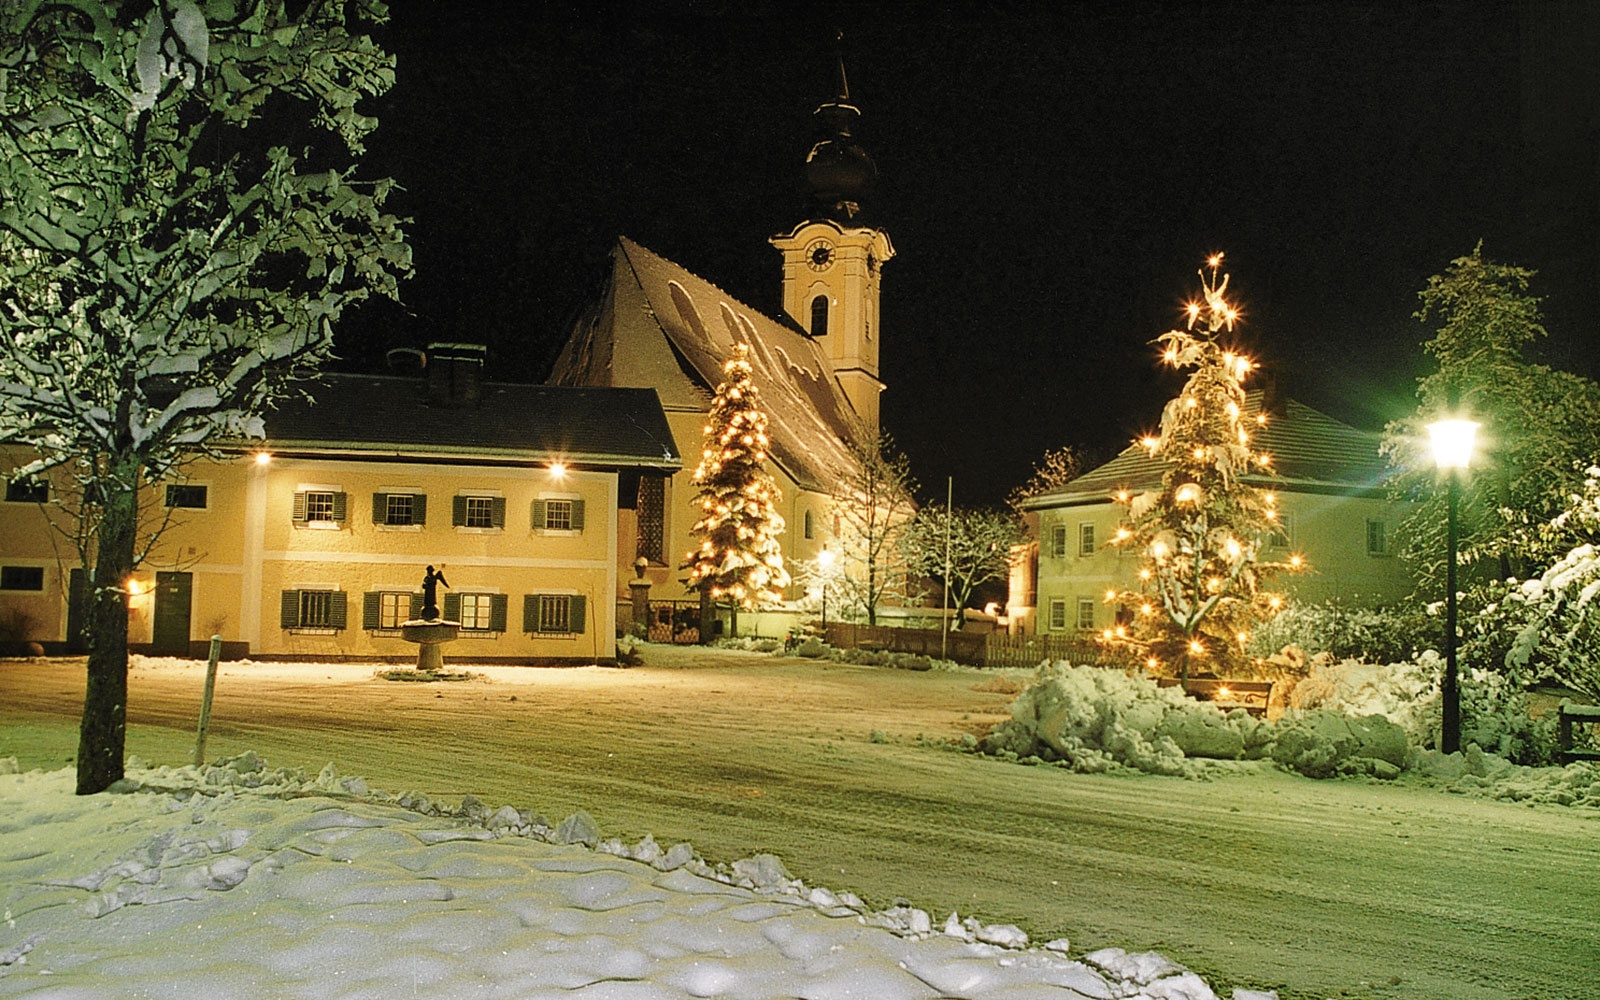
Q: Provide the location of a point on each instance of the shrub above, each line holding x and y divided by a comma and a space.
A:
1386, 634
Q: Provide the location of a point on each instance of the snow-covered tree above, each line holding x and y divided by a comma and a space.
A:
1555, 616
873, 504
974, 544
167, 270
739, 559
1200, 536
1055, 469
1538, 426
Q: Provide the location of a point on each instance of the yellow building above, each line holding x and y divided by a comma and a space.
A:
1333, 512
313, 542
658, 326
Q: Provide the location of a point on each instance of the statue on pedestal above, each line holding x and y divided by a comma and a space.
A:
430, 593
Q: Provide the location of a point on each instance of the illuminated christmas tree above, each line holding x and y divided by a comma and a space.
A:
1199, 535
739, 559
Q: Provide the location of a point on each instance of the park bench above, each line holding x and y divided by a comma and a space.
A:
1252, 696
1571, 715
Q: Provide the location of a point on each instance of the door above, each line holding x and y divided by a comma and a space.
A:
170, 628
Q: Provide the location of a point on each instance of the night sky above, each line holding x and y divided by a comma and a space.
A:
1051, 187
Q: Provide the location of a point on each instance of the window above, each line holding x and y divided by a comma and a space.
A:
1085, 613
1058, 615
1085, 538
28, 489
1058, 541
819, 316
1278, 536
21, 577
561, 614
325, 508
316, 609
1377, 539
651, 511
558, 514
476, 612
186, 495
479, 511
387, 610
811, 531
399, 509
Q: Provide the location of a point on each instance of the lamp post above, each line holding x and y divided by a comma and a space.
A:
1452, 450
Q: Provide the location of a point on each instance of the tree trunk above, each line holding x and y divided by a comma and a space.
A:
102, 735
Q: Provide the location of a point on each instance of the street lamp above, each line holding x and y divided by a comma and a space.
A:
1452, 450
825, 560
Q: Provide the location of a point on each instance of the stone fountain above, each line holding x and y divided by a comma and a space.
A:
429, 631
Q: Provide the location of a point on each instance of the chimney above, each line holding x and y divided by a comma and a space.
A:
455, 373
1274, 401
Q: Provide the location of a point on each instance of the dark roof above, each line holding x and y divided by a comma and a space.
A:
392, 415
667, 327
1311, 453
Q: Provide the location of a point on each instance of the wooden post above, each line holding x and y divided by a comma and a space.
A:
205, 700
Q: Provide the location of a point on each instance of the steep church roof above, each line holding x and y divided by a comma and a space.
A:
659, 326
1311, 453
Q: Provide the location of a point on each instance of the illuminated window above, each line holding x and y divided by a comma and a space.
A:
476, 610
386, 611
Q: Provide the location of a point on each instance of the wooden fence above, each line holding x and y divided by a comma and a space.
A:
975, 649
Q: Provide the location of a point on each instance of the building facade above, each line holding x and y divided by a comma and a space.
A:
1333, 513
312, 543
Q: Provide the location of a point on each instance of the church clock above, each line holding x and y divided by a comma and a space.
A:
819, 255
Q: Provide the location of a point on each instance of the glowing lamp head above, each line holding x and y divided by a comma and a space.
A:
263, 458
1187, 493
1195, 647
558, 470
825, 558
1451, 441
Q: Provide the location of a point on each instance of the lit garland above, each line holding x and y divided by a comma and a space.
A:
1201, 533
739, 558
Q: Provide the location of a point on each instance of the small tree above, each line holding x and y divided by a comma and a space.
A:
1199, 536
873, 504
973, 545
1055, 469
165, 275
739, 559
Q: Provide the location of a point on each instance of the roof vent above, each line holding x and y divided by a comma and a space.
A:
455, 373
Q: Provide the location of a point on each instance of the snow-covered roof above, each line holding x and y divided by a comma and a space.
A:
392, 415
662, 327
1311, 453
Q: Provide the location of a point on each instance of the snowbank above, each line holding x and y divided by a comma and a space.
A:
241, 881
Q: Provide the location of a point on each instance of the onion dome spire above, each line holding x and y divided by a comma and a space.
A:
838, 172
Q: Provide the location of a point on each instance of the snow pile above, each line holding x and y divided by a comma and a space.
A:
241, 881
1323, 744
1092, 719
1475, 772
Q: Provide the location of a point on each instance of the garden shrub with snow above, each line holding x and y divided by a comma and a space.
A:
1386, 634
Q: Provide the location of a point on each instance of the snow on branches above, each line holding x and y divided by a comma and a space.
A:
1200, 535
739, 558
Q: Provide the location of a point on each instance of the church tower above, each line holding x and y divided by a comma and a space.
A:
832, 262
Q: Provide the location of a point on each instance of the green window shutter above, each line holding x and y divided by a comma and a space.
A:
299, 506
530, 612
452, 607
538, 515
575, 604
380, 508
497, 612
577, 515
336, 609
341, 505
419, 508
415, 610
458, 515
370, 604
497, 511
291, 609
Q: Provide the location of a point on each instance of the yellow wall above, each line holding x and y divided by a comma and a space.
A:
244, 549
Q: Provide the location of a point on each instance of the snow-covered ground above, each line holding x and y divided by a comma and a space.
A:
241, 881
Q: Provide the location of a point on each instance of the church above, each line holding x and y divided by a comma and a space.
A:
657, 326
